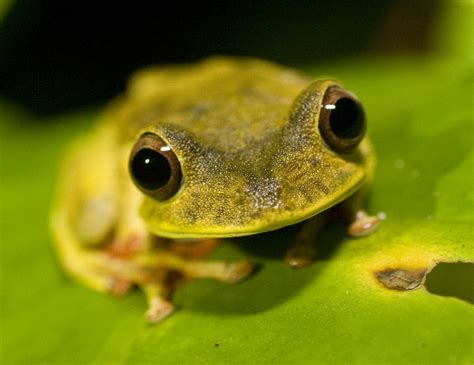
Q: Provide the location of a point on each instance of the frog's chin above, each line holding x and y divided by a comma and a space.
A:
228, 231
258, 226
220, 232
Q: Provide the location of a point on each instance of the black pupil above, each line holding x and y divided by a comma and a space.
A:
347, 119
151, 169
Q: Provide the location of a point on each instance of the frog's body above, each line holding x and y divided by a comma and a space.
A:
245, 133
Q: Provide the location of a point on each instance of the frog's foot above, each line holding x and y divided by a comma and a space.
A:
299, 256
363, 224
238, 271
159, 291
158, 306
158, 310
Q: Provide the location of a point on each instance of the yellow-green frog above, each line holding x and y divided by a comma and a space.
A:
222, 148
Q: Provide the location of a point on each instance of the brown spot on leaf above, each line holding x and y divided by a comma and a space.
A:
399, 279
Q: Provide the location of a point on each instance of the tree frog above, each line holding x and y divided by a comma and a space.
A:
193, 153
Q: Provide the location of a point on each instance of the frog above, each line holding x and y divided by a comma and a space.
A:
192, 154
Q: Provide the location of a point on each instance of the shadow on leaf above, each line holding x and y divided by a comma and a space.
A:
274, 282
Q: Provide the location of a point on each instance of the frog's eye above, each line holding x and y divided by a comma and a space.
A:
154, 167
342, 120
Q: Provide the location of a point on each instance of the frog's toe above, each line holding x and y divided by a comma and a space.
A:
119, 287
363, 224
238, 271
300, 255
296, 262
159, 309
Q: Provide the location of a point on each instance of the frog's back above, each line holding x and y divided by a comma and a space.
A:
229, 103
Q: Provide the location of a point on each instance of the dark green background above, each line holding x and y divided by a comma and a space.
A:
50, 51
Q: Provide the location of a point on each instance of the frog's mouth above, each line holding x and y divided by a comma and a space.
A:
272, 221
216, 211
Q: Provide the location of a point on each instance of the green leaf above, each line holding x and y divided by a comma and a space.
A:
336, 311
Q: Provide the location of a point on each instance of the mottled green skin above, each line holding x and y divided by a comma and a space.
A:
246, 134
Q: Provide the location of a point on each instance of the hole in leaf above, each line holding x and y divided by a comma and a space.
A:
452, 280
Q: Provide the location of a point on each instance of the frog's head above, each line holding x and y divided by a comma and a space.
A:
315, 156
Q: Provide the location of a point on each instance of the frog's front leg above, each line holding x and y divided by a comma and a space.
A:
229, 272
302, 251
166, 269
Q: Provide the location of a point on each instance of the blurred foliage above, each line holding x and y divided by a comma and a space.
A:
420, 120
4, 7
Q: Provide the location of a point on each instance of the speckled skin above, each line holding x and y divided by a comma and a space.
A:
246, 134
